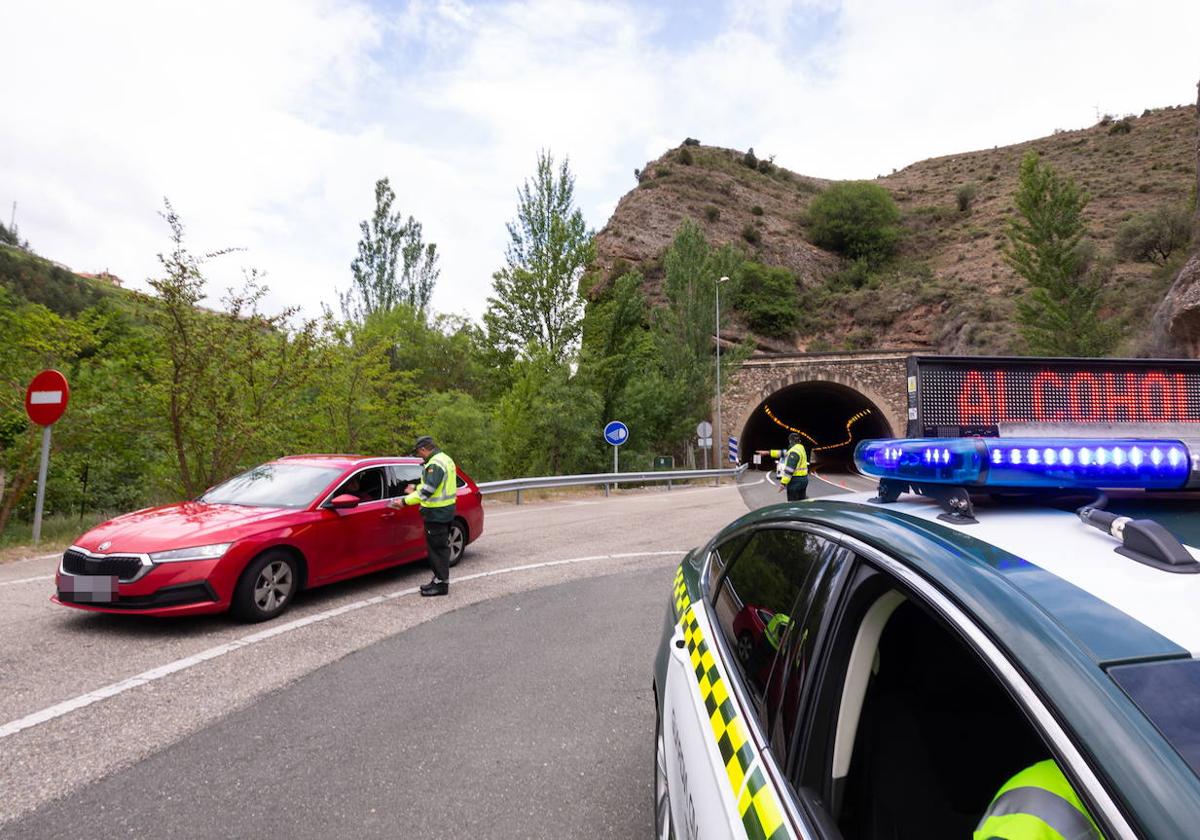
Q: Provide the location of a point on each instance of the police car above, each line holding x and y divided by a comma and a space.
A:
878, 665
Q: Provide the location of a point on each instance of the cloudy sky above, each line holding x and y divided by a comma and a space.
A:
267, 122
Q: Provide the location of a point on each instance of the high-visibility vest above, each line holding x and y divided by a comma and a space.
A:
775, 628
1037, 804
801, 468
445, 493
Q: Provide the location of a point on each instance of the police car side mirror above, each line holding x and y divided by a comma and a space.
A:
343, 502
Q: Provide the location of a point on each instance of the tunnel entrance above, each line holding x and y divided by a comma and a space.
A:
832, 418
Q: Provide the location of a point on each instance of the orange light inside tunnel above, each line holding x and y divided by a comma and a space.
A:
816, 446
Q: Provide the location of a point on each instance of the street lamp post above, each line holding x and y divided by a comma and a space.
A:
717, 434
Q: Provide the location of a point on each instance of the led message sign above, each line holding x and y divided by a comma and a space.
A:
958, 395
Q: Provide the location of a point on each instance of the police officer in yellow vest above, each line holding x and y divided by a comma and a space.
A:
795, 467
436, 496
1037, 804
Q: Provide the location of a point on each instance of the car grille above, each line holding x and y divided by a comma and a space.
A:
125, 568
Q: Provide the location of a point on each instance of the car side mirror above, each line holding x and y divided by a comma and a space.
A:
343, 502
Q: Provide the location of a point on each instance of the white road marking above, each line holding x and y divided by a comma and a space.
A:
113, 689
26, 580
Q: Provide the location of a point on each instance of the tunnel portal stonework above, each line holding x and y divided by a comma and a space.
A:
879, 376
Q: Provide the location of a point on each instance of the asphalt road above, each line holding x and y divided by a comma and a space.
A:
364, 695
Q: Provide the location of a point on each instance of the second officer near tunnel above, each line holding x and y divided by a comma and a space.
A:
795, 467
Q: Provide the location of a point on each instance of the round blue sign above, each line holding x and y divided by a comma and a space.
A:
616, 433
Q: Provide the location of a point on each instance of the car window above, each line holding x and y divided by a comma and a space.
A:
792, 674
367, 485
1169, 694
399, 476
722, 554
933, 735
756, 597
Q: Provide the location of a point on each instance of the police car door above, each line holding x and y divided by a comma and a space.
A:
720, 784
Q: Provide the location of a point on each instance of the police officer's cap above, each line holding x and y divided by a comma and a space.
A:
423, 442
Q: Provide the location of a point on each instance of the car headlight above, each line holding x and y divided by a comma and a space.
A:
202, 552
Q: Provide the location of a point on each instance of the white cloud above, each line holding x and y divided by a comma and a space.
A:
267, 123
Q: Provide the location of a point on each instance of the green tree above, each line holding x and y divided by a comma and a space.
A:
546, 423
394, 265
856, 219
466, 428
1154, 236
536, 301
766, 295
686, 329
230, 378
617, 345
1060, 312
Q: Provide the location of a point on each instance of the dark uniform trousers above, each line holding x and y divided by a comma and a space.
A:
797, 488
437, 540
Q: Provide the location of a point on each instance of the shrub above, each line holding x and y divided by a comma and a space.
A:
965, 196
766, 296
1122, 126
751, 234
854, 276
766, 166
756, 210
749, 159
856, 219
691, 141
685, 157
712, 213
1154, 236
662, 171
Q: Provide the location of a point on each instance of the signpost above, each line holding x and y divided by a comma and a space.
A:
704, 435
45, 401
733, 450
615, 433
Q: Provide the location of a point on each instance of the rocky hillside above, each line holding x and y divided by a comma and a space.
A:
949, 288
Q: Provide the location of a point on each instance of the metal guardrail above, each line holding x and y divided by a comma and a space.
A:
516, 485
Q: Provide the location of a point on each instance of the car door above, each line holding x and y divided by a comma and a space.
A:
723, 782
410, 529
365, 535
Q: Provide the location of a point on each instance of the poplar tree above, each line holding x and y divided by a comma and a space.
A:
1060, 314
536, 301
394, 265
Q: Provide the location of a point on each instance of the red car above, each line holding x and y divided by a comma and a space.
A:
250, 544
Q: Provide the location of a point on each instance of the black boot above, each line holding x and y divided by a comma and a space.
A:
437, 587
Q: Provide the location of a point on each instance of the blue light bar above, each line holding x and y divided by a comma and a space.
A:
1029, 462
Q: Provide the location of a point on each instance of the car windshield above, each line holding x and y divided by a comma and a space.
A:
273, 485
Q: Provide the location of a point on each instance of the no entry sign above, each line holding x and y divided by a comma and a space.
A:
46, 397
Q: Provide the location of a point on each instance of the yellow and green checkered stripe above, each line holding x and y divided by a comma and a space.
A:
758, 806
681, 593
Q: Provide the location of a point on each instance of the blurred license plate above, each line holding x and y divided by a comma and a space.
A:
95, 589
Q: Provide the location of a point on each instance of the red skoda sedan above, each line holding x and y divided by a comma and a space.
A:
250, 544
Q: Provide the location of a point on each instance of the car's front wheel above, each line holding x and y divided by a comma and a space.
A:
458, 541
266, 587
662, 795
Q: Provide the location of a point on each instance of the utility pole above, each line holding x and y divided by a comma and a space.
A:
718, 435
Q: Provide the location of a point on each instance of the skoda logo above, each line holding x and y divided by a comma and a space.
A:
104, 546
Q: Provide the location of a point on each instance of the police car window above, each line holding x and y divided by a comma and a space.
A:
722, 554
757, 595
1169, 694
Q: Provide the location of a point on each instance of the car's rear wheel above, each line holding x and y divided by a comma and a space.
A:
662, 795
267, 586
458, 541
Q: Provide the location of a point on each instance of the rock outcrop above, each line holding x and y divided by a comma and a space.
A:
1178, 318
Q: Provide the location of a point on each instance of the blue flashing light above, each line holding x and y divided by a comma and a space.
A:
1151, 464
